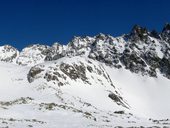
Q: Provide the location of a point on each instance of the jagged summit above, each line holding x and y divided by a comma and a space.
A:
166, 27
166, 33
138, 33
139, 30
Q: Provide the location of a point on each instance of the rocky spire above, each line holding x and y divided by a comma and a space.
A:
138, 33
166, 32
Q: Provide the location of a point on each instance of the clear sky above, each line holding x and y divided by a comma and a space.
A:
24, 22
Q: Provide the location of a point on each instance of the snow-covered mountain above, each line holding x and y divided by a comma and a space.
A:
99, 81
8, 54
32, 55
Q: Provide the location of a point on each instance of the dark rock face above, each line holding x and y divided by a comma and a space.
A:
75, 71
133, 62
107, 52
166, 33
117, 99
165, 67
55, 52
138, 33
59, 72
33, 72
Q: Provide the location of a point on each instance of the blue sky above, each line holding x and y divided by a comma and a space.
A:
23, 22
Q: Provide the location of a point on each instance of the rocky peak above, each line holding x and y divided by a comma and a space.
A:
166, 33
58, 48
79, 46
79, 42
101, 36
8, 53
166, 27
32, 55
138, 33
55, 52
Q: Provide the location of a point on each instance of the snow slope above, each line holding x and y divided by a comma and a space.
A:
42, 103
147, 96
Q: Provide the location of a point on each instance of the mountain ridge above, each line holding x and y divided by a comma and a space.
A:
140, 51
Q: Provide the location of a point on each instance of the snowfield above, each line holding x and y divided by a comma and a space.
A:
43, 103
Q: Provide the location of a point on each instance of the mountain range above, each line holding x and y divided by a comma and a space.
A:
101, 81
